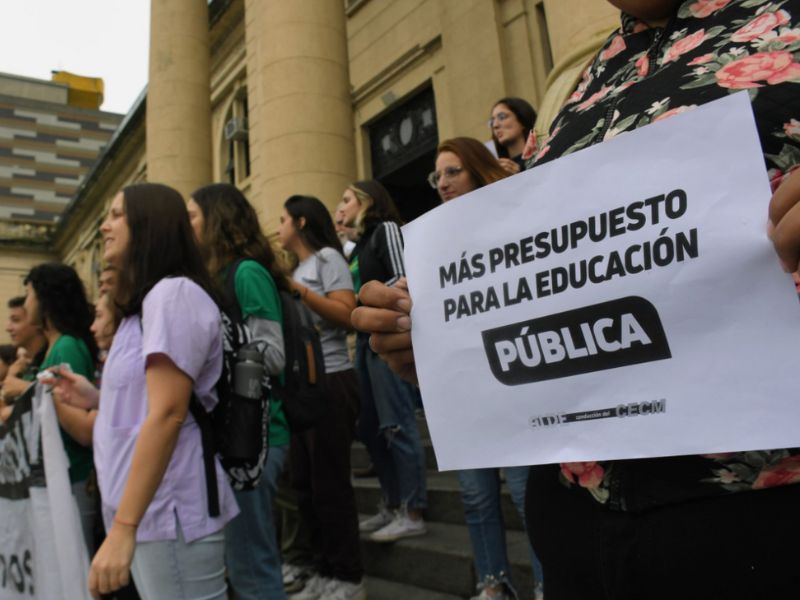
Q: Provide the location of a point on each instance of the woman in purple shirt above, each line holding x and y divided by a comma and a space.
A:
148, 453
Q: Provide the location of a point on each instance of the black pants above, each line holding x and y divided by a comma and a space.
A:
739, 546
320, 473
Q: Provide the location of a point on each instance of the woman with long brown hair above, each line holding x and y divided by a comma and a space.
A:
148, 452
227, 229
320, 456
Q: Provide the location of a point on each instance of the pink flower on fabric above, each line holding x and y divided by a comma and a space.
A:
786, 35
581, 89
704, 8
773, 67
761, 25
592, 100
675, 111
625, 86
588, 475
701, 60
643, 65
775, 179
792, 129
617, 45
783, 473
542, 152
684, 45
531, 144
790, 73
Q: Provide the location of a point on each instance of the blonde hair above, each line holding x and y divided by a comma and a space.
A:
364, 201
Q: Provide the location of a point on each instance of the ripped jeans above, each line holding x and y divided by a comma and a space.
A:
388, 428
481, 495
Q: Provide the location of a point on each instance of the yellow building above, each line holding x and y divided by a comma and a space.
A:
305, 96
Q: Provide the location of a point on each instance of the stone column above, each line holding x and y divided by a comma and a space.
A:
300, 110
178, 95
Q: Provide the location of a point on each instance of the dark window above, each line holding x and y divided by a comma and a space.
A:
403, 150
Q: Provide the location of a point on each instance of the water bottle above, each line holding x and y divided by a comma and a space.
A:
248, 373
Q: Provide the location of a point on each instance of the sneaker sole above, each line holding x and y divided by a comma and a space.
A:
370, 529
398, 536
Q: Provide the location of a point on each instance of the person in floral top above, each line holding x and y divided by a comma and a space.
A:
678, 526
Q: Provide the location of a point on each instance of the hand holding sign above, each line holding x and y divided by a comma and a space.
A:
621, 281
784, 217
385, 313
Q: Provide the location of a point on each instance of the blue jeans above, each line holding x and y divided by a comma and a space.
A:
179, 571
481, 496
388, 428
251, 546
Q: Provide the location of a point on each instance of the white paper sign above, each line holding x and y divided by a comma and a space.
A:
620, 302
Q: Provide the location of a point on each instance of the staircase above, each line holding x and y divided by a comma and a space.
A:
439, 565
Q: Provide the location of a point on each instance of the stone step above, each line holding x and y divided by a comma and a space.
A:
382, 589
444, 500
359, 457
441, 561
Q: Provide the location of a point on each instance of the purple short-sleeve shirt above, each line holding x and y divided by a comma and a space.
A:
182, 322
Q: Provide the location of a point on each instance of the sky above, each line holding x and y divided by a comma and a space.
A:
96, 38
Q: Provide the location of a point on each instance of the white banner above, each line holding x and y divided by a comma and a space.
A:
620, 302
42, 552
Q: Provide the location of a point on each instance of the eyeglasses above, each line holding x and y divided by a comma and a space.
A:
499, 117
448, 173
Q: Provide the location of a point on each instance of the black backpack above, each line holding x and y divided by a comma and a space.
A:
303, 390
237, 429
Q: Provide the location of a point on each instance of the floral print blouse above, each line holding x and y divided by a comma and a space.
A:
709, 48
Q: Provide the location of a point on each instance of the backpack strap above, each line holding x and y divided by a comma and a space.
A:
229, 291
203, 420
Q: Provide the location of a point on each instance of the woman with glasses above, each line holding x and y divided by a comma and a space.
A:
463, 165
511, 123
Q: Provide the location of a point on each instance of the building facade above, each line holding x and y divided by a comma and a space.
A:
303, 97
51, 132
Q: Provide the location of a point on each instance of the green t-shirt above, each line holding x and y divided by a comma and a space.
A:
258, 296
355, 273
74, 352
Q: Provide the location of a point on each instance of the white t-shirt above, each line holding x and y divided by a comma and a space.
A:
323, 272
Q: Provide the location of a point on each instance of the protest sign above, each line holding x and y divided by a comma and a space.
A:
42, 552
620, 302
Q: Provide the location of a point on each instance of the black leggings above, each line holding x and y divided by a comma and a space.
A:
739, 546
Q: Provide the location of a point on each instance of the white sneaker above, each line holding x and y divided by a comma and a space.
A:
294, 577
313, 590
345, 590
538, 592
375, 522
400, 527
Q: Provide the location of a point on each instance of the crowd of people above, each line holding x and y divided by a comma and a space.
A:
125, 371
